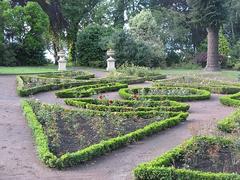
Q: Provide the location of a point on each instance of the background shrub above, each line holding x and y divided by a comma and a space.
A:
90, 51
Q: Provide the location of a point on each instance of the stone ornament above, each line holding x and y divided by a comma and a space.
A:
111, 61
62, 63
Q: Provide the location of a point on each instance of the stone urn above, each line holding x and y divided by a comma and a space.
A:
111, 61
62, 63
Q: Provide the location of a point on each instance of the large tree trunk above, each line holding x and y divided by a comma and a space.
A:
212, 53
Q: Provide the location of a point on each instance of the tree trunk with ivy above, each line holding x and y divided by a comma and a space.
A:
212, 52
72, 46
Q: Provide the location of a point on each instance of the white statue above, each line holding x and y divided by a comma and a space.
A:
111, 61
62, 63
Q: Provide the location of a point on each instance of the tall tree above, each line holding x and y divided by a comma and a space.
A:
75, 12
210, 14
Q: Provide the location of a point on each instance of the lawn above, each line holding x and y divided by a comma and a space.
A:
27, 69
224, 74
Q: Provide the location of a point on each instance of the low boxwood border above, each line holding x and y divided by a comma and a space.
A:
81, 156
23, 92
84, 76
155, 77
161, 167
230, 123
199, 95
231, 100
126, 105
221, 88
89, 90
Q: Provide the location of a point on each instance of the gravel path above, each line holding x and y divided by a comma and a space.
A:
19, 160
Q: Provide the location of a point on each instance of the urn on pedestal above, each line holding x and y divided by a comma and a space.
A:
111, 61
62, 63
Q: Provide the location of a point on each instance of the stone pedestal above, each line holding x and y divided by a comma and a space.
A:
62, 63
111, 61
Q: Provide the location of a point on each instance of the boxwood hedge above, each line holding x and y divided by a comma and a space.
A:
80, 75
88, 90
195, 94
127, 105
231, 100
214, 86
230, 123
81, 156
162, 167
50, 84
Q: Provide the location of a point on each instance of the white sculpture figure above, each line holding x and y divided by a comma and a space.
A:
62, 61
111, 61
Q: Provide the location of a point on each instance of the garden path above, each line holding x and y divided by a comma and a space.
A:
19, 161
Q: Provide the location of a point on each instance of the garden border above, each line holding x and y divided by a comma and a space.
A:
97, 104
23, 92
86, 154
203, 95
161, 168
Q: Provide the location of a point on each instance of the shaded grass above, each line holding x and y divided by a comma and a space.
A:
26, 70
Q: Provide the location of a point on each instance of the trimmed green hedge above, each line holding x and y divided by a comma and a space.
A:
127, 105
89, 90
81, 156
155, 77
231, 100
196, 94
230, 123
23, 90
162, 168
214, 86
80, 75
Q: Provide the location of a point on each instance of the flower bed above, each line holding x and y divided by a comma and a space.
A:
127, 105
29, 85
213, 86
66, 138
231, 100
89, 90
200, 158
171, 93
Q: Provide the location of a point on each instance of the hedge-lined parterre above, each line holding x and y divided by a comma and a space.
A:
162, 93
89, 90
231, 100
127, 105
29, 85
40, 117
192, 161
214, 86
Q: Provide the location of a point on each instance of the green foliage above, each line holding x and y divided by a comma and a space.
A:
89, 90
231, 100
224, 46
164, 167
139, 71
86, 154
163, 93
230, 123
90, 52
127, 105
24, 31
209, 13
144, 28
173, 30
214, 86
29, 85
